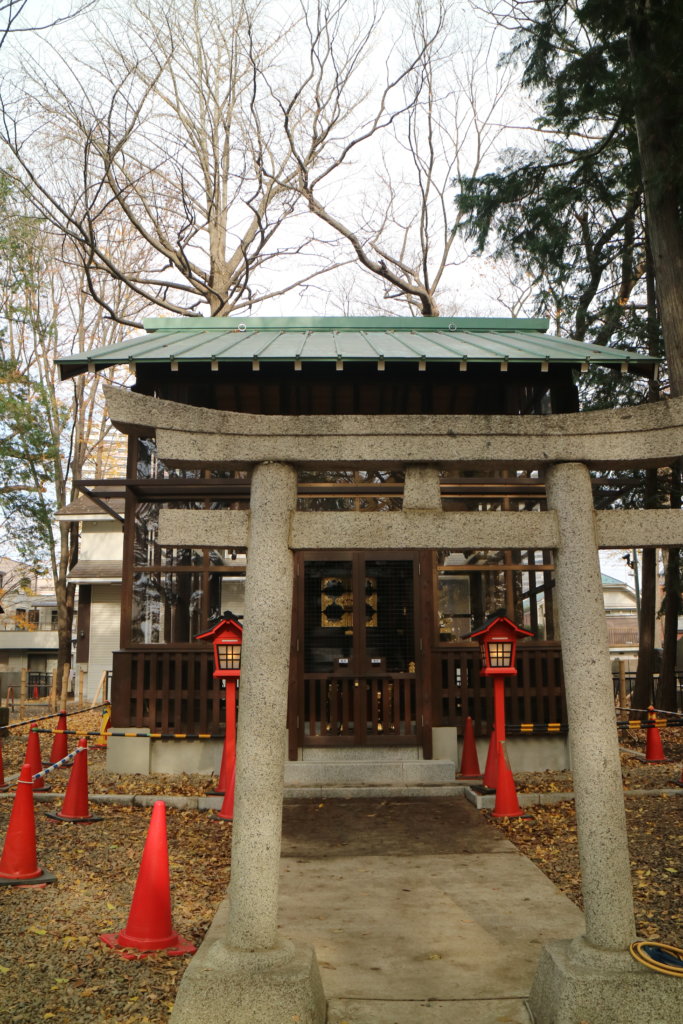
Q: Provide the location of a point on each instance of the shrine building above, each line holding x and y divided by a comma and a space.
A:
378, 655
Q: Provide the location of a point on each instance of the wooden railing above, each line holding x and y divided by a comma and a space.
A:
375, 710
167, 691
535, 694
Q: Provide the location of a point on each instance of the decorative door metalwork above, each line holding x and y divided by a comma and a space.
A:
359, 681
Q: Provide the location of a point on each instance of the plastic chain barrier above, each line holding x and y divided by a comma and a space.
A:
169, 735
58, 764
536, 728
44, 718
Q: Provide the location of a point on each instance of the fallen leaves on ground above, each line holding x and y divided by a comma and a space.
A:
655, 833
52, 963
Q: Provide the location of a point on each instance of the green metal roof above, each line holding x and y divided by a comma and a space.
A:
352, 339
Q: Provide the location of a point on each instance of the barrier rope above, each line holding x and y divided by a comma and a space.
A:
58, 764
67, 732
44, 718
52, 767
657, 711
168, 735
658, 957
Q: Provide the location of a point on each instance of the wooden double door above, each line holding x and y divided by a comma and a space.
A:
354, 679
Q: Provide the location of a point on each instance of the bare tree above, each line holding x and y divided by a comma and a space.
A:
174, 121
448, 118
12, 17
209, 127
46, 313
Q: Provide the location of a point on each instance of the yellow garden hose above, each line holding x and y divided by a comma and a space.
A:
658, 957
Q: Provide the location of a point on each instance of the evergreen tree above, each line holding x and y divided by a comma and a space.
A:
592, 212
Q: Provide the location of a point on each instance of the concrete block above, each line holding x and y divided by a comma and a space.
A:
417, 773
209, 803
576, 982
445, 743
385, 755
554, 798
369, 773
130, 755
426, 1011
169, 757
229, 986
182, 803
113, 799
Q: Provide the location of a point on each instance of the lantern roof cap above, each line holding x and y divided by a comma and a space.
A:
494, 620
227, 619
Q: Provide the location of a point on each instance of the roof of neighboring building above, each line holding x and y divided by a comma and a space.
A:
83, 507
611, 581
353, 339
96, 571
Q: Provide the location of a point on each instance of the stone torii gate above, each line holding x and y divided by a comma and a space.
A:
250, 974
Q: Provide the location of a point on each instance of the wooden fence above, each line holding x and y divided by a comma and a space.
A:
167, 691
535, 694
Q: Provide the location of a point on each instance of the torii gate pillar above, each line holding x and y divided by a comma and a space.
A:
250, 974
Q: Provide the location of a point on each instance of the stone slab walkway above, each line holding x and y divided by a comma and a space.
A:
420, 912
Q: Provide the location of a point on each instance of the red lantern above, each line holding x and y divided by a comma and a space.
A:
498, 642
226, 637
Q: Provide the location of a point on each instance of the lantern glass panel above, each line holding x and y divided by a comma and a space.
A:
229, 656
500, 653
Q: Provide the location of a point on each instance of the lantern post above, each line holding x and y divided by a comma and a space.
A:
226, 637
497, 640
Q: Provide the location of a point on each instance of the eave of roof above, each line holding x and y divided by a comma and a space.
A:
350, 339
96, 571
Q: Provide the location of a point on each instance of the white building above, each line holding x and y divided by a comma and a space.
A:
28, 625
98, 576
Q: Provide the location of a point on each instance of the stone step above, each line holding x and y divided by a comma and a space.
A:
369, 773
389, 753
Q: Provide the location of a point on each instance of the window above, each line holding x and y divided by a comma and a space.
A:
473, 585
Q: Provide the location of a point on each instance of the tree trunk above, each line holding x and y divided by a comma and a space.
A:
667, 696
65, 594
642, 691
659, 166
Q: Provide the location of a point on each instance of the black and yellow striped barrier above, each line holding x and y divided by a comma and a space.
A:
537, 729
168, 735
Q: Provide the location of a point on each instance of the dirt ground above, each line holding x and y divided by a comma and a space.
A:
54, 967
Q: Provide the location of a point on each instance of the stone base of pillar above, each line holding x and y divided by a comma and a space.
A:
575, 982
229, 986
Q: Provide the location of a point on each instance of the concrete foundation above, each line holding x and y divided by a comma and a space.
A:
229, 986
130, 755
576, 982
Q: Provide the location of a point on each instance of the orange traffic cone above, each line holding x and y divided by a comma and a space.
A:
491, 770
227, 758
228, 806
469, 764
59, 745
75, 806
4, 786
149, 928
19, 862
507, 804
33, 758
654, 751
